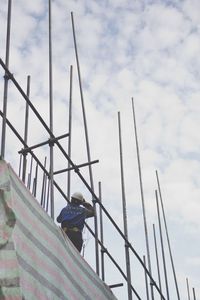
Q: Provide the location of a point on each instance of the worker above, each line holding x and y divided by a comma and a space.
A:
72, 218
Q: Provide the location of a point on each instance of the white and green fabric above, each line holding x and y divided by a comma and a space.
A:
36, 260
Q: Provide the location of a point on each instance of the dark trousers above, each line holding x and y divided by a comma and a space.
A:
76, 238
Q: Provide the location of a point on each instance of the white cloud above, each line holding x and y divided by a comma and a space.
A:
194, 262
191, 9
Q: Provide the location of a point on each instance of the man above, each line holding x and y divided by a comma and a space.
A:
72, 218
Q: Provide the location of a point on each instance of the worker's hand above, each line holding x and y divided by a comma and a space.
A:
86, 204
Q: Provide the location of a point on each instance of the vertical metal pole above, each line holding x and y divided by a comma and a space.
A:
146, 279
101, 235
35, 181
26, 130
45, 188
47, 198
51, 115
162, 246
188, 290
70, 132
157, 260
87, 144
43, 184
142, 198
20, 165
128, 269
167, 235
193, 290
5, 95
30, 174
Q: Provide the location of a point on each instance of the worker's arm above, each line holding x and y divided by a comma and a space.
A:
59, 218
89, 209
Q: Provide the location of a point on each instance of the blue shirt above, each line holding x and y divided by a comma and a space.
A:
74, 215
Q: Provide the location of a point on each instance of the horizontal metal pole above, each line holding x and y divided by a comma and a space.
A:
49, 141
115, 285
76, 167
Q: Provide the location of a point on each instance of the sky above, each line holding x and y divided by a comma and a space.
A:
145, 50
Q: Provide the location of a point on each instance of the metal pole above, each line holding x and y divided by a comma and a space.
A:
193, 290
49, 141
51, 116
162, 245
35, 181
77, 167
188, 290
20, 165
87, 143
70, 131
115, 285
101, 235
128, 269
47, 198
157, 260
146, 279
6, 78
26, 130
142, 197
167, 235
45, 189
30, 174
43, 184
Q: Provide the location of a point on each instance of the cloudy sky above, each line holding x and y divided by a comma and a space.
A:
145, 49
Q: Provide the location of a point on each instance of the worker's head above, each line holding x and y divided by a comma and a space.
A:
77, 198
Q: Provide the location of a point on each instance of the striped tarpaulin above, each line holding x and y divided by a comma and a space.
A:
36, 260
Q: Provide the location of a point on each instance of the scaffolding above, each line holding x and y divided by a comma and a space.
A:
42, 182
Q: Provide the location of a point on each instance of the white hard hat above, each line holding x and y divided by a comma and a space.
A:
78, 196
